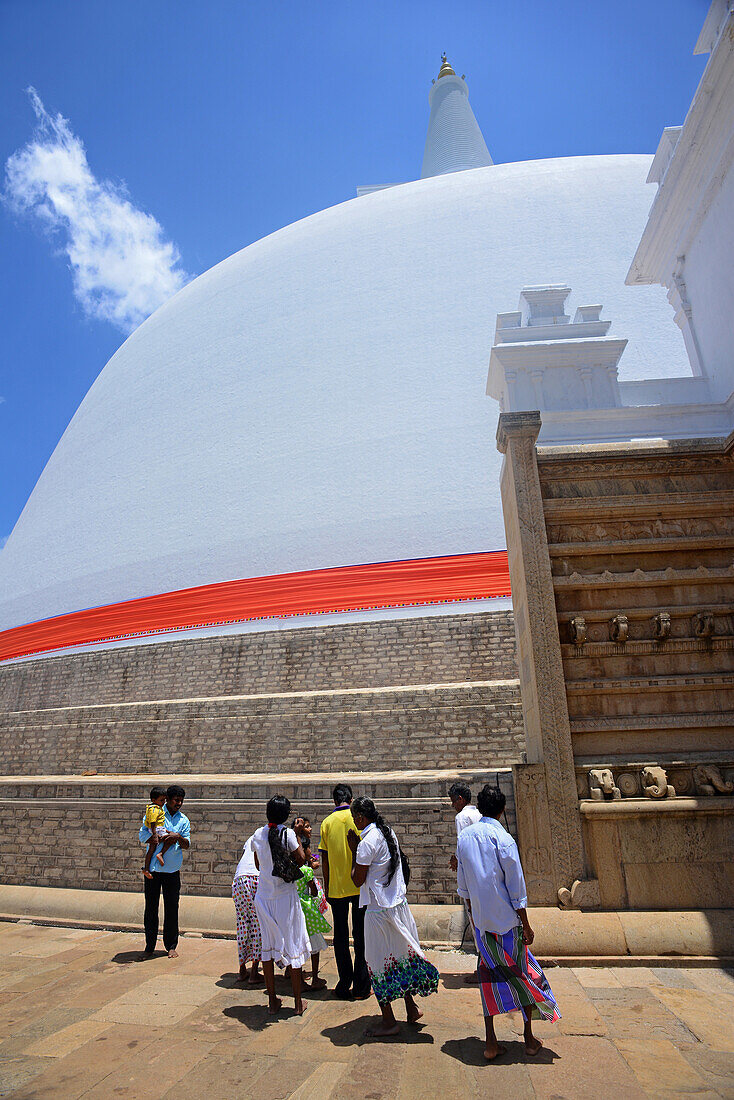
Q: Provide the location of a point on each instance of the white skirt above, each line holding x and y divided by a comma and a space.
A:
283, 928
394, 957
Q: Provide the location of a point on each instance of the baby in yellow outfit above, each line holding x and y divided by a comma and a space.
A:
155, 820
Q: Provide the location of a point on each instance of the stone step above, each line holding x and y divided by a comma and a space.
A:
432, 649
429, 725
243, 704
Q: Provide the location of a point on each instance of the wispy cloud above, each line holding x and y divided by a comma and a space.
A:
122, 266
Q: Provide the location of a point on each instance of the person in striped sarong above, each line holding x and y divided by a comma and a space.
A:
491, 881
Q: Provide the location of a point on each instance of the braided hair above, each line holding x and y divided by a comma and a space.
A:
366, 807
284, 865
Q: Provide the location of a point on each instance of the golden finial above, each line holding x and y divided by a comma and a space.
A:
445, 69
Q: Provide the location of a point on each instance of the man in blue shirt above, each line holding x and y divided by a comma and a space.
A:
166, 878
491, 881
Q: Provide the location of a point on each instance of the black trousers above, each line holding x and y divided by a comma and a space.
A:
352, 976
170, 883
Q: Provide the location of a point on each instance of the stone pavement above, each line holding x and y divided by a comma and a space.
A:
80, 1016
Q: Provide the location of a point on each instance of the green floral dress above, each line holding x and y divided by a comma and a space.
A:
313, 907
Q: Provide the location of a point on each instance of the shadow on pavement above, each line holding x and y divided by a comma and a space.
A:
255, 1017
352, 1033
470, 1051
122, 958
458, 981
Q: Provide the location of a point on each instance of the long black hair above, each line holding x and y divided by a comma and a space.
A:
284, 865
367, 808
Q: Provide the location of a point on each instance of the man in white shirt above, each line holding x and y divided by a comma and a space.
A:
491, 880
466, 814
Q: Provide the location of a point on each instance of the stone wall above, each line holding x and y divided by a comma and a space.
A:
622, 568
77, 835
293, 701
374, 730
436, 649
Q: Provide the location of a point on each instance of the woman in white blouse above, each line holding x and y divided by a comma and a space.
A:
280, 857
396, 963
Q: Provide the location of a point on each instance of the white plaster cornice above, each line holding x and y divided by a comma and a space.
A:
702, 155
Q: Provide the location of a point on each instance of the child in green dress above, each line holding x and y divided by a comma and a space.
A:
313, 902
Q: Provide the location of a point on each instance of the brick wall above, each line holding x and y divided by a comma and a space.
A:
91, 843
415, 693
374, 731
431, 650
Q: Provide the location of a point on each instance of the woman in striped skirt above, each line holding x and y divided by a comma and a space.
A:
490, 878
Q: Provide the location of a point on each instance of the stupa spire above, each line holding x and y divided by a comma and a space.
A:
454, 141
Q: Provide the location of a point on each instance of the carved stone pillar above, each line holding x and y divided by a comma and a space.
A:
549, 822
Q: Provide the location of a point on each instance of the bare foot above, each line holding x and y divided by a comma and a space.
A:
490, 1053
255, 979
533, 1046
173, 953
317, 983
382, 1032
147, 874
415, 1015
275, 1006
300, 1007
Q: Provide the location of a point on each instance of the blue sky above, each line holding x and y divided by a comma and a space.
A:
227, 120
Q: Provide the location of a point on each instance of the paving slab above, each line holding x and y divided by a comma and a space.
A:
712, 1024
103, 1025
660, 1068
579, 1068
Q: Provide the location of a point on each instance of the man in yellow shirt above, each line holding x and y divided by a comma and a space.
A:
336, 858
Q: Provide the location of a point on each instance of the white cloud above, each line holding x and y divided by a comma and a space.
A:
122, 266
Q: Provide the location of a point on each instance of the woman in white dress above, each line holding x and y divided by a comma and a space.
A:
279, 858
396, 963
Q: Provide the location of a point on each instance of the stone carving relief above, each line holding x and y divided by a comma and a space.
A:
584, 894
619, 629
709, 781
578, 630
602, 786
703, 624
652, 781
655, 783
629, 784
626, 530
661, 626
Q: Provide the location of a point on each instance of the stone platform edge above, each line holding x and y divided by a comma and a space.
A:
696, 937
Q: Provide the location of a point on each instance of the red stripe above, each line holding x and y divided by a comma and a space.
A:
318, 591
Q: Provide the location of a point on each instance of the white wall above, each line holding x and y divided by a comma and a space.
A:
709, 278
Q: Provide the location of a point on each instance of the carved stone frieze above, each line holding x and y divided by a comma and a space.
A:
709, 781
655, 783
629, 784
702, 779
661, 626
630, 530
552, 470
703, 624
646, 647
644, 578
578, 630
619, 629
602, 785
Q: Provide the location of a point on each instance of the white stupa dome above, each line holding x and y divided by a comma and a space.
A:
318, 399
